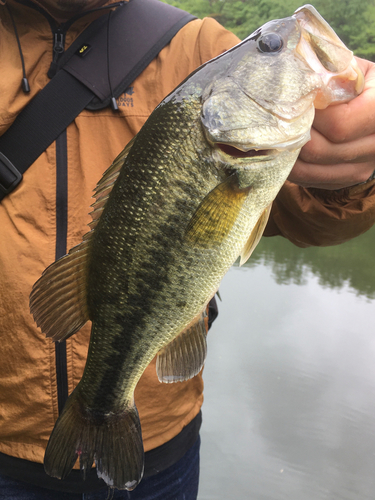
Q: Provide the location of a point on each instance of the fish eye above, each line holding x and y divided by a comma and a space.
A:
272, 42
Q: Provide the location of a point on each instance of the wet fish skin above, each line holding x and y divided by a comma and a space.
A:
188, 196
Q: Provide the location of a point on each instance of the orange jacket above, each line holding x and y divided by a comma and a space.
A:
28, 390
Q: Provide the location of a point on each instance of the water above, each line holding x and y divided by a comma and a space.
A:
289, 408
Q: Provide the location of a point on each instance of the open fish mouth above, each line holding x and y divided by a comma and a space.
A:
238, 153
262, 152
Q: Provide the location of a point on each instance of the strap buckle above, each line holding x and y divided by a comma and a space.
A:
10, 177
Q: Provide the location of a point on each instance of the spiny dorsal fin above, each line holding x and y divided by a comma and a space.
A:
106, 183
216, 214
184, 357
255, 235
58, 298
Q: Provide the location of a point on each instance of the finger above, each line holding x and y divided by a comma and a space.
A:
320, 150
330, 176
349, 121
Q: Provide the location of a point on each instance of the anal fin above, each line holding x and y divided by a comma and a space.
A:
184, 357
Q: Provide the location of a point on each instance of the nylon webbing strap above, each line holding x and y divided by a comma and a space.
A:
39, 124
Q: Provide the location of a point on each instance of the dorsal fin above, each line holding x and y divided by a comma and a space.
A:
106, 183
58, 299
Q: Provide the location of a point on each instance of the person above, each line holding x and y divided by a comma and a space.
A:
329, 198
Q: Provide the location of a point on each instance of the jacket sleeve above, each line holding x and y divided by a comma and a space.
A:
318, 217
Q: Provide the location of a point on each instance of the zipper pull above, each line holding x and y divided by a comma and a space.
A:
58, 47
58, 50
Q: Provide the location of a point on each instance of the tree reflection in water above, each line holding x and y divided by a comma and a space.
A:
349, 264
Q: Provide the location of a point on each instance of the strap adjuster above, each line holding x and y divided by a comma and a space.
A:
10, 177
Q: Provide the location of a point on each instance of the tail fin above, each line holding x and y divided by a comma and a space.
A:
113, 440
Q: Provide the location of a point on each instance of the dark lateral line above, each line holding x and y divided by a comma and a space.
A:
61, 236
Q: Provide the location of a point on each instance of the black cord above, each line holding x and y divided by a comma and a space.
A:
113, 99
25, 82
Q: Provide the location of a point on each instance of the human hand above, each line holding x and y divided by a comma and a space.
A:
341, 152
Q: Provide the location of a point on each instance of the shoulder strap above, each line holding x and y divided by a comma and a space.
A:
38, 125
138, 31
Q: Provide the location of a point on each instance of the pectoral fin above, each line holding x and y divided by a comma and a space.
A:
184, 357
216, 214
255, 235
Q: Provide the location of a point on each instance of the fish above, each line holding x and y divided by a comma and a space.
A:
187, 196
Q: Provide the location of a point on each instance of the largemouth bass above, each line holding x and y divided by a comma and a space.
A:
188, 195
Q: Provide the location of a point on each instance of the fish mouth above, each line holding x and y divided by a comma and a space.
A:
263, 152
238, 153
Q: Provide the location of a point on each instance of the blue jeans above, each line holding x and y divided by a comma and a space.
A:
178, 482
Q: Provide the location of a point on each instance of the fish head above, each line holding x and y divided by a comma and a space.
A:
263, 102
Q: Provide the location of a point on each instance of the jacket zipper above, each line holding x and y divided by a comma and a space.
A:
61, 220
58, 50
61, 237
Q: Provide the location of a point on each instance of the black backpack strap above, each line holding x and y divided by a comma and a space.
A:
82, 79
38, 125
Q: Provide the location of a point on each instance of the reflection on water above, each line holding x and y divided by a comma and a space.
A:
289, 409
349, 264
